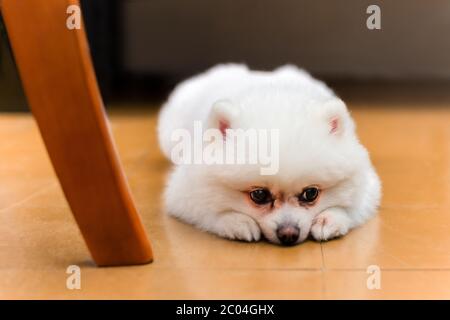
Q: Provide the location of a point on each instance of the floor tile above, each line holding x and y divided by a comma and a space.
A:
405, 238
408, 239
149, 283
393, 285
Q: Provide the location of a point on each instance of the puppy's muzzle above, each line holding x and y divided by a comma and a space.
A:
288, 235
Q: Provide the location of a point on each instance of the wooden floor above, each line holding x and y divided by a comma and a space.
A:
409, 239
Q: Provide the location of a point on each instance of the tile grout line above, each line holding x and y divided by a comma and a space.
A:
322, 271
163, 268
31, 196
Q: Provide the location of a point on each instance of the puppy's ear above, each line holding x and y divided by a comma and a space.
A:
336, 117
223, 115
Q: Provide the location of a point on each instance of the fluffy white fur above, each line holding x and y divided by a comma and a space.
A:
312, 152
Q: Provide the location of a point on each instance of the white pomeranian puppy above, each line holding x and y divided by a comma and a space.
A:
320, 183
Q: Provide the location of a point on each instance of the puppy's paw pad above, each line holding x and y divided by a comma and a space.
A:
327, 226
240, 227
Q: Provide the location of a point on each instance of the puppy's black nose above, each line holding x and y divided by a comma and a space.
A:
288, 235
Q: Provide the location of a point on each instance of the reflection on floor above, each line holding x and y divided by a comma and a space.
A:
409, 240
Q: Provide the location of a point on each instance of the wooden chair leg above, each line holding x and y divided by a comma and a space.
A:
61, 88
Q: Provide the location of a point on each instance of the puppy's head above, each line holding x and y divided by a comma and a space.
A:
318, 153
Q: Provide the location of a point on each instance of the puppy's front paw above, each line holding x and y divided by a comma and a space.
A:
238, 226
330, 224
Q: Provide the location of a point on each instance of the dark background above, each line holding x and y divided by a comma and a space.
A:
142, 48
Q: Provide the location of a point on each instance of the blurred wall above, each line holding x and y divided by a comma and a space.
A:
11, 94
328, 37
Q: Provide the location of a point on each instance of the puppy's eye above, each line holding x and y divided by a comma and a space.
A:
261, 196
309, 195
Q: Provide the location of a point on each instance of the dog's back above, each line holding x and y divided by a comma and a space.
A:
193, 99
